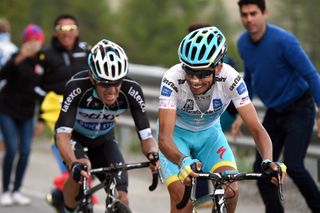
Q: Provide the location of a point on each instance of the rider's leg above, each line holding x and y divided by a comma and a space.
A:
123, 196
176, 190
231, 191
70, 191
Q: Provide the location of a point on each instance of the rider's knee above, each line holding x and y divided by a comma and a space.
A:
232, 190
123, 196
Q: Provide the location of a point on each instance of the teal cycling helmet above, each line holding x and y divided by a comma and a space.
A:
108, 62
203, 48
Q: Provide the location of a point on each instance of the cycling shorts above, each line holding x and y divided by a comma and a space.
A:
210, 146
102, 155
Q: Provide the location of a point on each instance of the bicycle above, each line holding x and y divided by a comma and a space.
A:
113, 204
220, 181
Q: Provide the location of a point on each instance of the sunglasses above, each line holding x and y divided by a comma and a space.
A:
199, 73
108, 84
66, 27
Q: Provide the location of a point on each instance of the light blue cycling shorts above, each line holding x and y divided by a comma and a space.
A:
210, 146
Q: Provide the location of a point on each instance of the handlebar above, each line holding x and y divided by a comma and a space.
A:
118, 167
231, 176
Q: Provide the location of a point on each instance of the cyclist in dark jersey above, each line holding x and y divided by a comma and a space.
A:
93, 99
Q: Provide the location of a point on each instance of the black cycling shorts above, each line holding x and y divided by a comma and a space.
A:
102, 154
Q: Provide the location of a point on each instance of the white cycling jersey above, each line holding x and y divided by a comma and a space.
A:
176, 94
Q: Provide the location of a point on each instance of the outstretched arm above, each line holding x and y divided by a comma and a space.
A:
258, 132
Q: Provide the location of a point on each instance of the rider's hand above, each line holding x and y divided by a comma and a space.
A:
80, 168
268, 166
185, 169
155, 164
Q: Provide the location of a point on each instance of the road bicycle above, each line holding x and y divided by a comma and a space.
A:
220, 182
112, 202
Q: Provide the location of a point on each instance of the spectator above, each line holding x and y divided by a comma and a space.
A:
17, 107
278, 70
64, 57
7, 48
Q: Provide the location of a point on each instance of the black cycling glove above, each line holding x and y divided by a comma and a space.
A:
76, 169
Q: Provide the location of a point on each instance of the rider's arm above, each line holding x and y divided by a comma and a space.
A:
258, 132
65, 148
149, 145
167, 118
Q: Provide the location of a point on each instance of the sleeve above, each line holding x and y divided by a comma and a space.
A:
236, 89
168, 91
8, 67
71, 98
138, 111
298, 59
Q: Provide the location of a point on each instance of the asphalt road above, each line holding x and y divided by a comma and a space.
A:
42, 168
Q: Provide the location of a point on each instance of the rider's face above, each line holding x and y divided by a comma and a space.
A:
108, 94
200, 84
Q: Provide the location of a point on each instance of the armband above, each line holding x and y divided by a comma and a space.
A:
181, 160
145, 134
265, 165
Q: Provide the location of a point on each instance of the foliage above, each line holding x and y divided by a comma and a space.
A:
150, 31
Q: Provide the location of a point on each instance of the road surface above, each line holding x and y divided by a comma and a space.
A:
42, 168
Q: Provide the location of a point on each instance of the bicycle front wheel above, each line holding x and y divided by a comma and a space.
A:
220, 205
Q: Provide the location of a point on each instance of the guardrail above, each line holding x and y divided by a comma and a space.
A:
150, 78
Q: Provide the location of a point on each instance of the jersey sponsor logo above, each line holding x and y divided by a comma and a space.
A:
89, 100
221, 151
241, 88
235, 82
170, 84
68, 100
181, 81
96, 126
188, 105
222, 79
135, 94
244, 100
217, 104
166, 91
97, 116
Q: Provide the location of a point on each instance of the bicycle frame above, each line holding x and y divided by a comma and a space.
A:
109, 184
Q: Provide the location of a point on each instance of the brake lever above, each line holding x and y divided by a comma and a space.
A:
279, 176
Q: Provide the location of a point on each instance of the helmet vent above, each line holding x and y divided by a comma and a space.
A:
209, 39
219, 39
187, 48
199, 39
113, 71
102, 51
193, 53
119, 68
202, 51
111, 58
212, 51
106, 68
193, 35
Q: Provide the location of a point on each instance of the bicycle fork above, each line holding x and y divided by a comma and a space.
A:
219, 198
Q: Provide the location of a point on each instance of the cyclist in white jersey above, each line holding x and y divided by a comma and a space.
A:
194, 94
